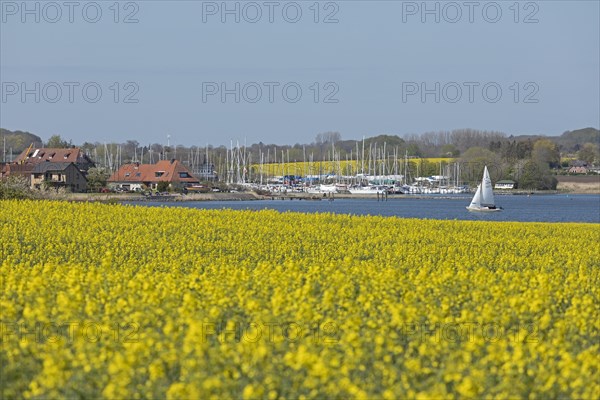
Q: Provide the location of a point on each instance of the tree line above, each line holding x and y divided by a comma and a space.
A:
531, 160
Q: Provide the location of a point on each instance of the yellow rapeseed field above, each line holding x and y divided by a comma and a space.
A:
133, 302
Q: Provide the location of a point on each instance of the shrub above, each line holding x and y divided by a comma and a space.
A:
16, 187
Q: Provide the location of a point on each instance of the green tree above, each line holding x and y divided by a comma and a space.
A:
537, 176
449, 150
97, 178
56, 142
545, 152
523, 149
590, 153
412, 148
163, 186
474, 159
17, 141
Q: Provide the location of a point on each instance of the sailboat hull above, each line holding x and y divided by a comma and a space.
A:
483, 209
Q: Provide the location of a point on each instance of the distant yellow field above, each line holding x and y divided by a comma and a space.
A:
350, 167
136, 302
438, 160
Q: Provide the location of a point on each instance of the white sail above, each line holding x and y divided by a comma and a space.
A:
487, 194
476, 202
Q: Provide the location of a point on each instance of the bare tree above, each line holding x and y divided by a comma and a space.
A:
328, 137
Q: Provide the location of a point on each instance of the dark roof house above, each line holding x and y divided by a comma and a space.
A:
58, 174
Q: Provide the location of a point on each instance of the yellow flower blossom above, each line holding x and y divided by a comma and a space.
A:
136, 302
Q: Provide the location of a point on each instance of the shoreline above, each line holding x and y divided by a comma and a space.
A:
251, 196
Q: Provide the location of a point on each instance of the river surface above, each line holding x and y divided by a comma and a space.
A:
533, 208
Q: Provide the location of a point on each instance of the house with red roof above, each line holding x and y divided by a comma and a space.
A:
55, 167
55, 155
136, 176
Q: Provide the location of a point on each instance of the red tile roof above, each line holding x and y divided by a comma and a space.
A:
35, 156
165, 170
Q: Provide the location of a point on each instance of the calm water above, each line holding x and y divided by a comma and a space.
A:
539, 208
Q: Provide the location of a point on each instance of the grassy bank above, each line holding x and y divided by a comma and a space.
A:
588, 184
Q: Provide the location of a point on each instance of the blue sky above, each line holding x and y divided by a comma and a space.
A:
157, 68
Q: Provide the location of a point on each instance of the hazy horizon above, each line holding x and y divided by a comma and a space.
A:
240, 141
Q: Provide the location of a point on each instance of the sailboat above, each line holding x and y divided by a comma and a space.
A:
483, 201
